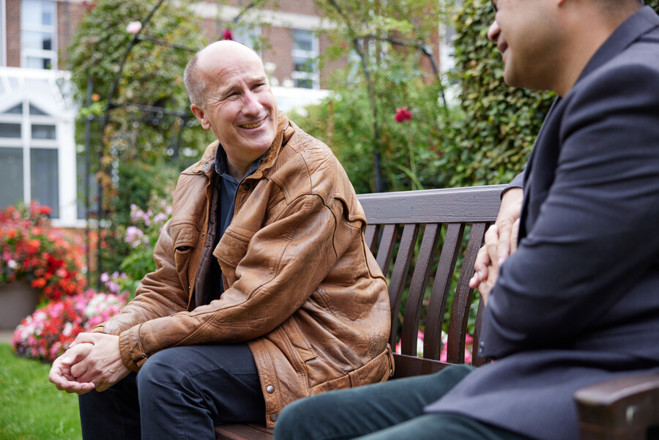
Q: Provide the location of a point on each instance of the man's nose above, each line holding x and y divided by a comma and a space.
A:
251, 103
493, 32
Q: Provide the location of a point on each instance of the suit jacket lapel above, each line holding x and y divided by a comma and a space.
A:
634, 27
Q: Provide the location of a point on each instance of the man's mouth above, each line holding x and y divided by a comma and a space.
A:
256, 124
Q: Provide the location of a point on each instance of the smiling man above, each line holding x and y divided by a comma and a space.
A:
577, 302
264, 292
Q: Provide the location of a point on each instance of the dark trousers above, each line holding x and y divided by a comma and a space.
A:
390, 410
180, 393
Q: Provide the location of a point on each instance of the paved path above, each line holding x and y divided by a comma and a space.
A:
5, 336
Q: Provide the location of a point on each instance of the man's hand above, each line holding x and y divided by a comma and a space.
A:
103, 365
60, 373
500, 242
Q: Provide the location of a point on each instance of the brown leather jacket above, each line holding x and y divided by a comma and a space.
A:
300, 285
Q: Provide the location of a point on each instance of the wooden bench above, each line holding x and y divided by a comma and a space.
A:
426, 243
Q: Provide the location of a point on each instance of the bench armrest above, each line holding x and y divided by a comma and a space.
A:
619, 409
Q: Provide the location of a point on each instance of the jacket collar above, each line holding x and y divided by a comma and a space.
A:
641, 22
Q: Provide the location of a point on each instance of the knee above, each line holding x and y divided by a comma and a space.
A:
155, 374
297, 420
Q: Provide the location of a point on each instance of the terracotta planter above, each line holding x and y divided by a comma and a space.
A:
17, 300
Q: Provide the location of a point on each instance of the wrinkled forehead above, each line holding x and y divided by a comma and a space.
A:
223, 74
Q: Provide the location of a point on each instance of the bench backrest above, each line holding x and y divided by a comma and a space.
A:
426, 244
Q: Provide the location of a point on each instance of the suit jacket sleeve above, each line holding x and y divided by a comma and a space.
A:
595, 233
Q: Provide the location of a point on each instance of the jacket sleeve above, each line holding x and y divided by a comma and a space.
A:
159, 293
595, 235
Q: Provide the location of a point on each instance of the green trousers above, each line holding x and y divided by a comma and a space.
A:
390, 410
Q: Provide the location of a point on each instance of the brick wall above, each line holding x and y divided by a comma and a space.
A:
13, 33
69, 15
279, 52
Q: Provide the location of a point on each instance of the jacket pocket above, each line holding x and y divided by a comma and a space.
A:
298, 349
184, 241
229, 253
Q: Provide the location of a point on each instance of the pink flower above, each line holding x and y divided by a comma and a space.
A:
134, 27
134, 236
419, 343
228, 35
402, 114
49, 331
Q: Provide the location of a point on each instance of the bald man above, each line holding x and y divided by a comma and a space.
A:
264, 292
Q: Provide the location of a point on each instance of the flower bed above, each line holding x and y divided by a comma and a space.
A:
49, 331
31, 250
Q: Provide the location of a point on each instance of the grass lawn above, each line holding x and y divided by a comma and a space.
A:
31, 408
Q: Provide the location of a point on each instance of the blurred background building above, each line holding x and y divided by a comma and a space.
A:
37, 142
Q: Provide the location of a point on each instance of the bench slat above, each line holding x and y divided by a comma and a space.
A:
437, 305
399, 273
407, 366
385, 248
414, 302
454, 205
463, 297
243, 432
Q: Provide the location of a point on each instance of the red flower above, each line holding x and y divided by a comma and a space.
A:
89, 5
38, 283
34, 251
402, 114
228, 35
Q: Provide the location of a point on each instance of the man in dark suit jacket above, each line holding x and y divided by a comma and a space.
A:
578, 302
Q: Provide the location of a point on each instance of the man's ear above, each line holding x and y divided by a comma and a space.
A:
201, 116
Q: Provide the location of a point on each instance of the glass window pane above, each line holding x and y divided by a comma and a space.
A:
40, 131
38, 63
37, 40
303, 40
16, 110
37, 111
37, 13
44, 178
303, 64
11, 176
10, 130
304, 83
30, 13
47, 13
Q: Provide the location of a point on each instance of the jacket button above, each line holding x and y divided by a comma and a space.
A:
273, 417
270, 389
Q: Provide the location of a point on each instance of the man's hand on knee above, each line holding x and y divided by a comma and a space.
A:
103, 366
60, 373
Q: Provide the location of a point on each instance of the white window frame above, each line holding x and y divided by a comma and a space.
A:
311, 55
60, 116
41, 53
